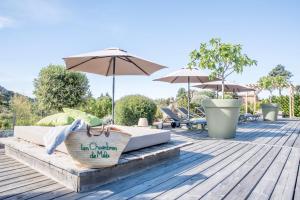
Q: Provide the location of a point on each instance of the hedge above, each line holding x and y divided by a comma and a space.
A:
130, 108
283, 102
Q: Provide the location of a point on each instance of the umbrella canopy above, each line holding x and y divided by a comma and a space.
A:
185, 75
228, 86
111, 62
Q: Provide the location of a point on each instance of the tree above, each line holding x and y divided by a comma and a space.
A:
280, 83
182, 98
297, 89
56, 88
280, 71
22, 107
100, 107
181, 93
267, 83
222, 59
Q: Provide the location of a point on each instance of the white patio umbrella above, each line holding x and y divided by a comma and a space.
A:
185, 75
229, 86
111, 62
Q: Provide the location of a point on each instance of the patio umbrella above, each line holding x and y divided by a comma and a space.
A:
228, 86
111, 62
185, 75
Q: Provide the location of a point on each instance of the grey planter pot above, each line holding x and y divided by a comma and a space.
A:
270, 111
222, 117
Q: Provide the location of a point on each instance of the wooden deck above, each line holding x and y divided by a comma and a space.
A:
262, 162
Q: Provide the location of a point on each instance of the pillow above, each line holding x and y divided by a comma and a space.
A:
58, 119
87, 118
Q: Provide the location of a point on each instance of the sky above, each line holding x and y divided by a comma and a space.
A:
36, 33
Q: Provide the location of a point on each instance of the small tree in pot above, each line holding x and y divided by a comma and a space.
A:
270, 83
222, 59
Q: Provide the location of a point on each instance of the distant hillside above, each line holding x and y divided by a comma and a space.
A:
6, 96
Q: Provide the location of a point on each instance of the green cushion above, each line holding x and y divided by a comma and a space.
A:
58, 119
88, 118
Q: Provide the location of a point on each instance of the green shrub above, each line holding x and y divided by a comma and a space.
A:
56, 88
132, 107
6, 121
100, 107
22, 107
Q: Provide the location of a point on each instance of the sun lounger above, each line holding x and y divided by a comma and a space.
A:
184, 112
248, 117
177, 122
201, 111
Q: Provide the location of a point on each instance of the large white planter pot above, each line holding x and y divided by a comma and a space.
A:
270, 111
222, 117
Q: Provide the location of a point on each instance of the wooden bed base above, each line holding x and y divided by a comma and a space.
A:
61, 168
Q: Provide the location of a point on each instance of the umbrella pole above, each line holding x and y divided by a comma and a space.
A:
188, 98
113, 91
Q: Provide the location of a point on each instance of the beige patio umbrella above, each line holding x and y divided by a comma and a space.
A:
185, 75
229, 87
111, 62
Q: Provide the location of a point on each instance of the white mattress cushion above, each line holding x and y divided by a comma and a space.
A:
140, 137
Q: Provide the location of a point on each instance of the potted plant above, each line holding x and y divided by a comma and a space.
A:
270, 83
222, 59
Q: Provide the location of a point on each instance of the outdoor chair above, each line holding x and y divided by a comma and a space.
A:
201, 111
183, 111
177, 122
248, 117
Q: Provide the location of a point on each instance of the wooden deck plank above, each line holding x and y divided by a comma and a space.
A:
53, 194
244, 188
286, 136
19, 179
36, 192
159, 170
26, 187
6, 162
297, 141
10, 170
206, 162
207, 168
276, 135
264, 188
297, 186
22, 169
165, 174
17, 174
226, 174
212, 178
284, 188
22, 183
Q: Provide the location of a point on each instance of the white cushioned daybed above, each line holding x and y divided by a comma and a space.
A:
141, 137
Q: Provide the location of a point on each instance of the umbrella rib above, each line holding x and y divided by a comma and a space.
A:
109, 66
174, 79
199, 79
82, 62
227, 87
130, 61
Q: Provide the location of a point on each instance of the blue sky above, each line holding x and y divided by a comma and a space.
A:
35, 33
